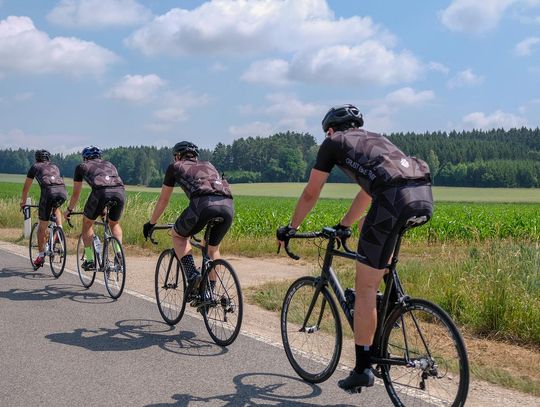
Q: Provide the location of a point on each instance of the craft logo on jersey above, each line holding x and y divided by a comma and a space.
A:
107, 177
404, 162
52, 177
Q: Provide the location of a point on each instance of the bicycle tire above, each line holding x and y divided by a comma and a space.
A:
223, 317
57, 258
305, 361
170, 286
33, 248
114, 268
87, 277
423, 333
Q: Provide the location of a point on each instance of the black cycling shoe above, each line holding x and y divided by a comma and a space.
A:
355, 381
193, 282
88, 265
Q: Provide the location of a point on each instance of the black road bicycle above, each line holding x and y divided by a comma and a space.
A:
418, 351
55, 246
109, 257
218, 296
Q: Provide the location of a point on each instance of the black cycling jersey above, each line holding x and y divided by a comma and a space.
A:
197, 178
370, 159
46, 174
98, 173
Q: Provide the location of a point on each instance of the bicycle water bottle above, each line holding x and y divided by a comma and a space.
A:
97, 246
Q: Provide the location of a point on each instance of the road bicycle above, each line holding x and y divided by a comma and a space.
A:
218, 296
418, 351
55, 246
109, 257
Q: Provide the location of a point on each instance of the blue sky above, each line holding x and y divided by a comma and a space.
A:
136, 72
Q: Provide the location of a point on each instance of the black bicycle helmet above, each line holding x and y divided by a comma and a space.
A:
42, 155
91, 152
185, 147
342, 116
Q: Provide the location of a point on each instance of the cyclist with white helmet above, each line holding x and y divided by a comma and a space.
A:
209, 197
394, 187
53, 195
107, 186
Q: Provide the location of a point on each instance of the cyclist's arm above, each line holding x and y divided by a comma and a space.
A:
77, 186
357, 209
162, 203
309, 196
26, 188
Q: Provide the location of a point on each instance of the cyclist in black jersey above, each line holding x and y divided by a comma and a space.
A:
393, 185
107, 186
53, 194
209, 197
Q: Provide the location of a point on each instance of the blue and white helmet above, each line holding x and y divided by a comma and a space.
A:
91, 152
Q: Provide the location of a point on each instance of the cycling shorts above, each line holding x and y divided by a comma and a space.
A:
200, 211
51, 197
388, 213
98, 198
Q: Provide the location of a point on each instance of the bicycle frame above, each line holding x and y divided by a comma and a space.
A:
51, 225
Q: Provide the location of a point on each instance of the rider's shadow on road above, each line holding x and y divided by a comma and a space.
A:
54, 292
22, 272
258, 389
138, 334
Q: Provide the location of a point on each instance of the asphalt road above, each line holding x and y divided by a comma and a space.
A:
62, 345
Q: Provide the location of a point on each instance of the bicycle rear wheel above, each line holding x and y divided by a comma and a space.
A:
57, 258
87, 277
170, 286
425, 337
222, 296
314, 350
33, 248
114, 267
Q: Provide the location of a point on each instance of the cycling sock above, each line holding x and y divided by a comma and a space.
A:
89, 253
363, 358
116, 247
41, 254
189, 265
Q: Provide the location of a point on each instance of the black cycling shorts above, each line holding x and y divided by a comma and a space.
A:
201, 210
51, 197
388, 213
98, 198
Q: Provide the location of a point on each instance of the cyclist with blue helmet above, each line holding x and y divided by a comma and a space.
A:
53, 194
107, 186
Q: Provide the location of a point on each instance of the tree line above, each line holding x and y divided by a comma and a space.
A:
494, 158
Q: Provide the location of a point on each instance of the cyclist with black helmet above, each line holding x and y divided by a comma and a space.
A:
107, 186
393, 185
53, 194
209, 197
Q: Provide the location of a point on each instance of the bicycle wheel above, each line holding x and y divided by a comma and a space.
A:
170, 285
33, 248
87, 277
114, 267
313, 351
222, 296
437, 371
57, 258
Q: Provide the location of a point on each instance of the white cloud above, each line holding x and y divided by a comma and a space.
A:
136, 88
269, 71
437, 66
98, 13
473, 15
465, 78
253, 129
240, 27
175, 108
218, 67
524, 48
408, 96
24, 49
63, 143
497, 119
23, 96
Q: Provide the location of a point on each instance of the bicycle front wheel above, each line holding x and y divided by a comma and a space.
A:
114, 267
87, 277
223, 306
436, 372
33, 248
170, 285
57, 258
313, 346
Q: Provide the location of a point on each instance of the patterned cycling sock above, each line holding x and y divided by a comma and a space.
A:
363, 358
89, 253
116, 247
189, 265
